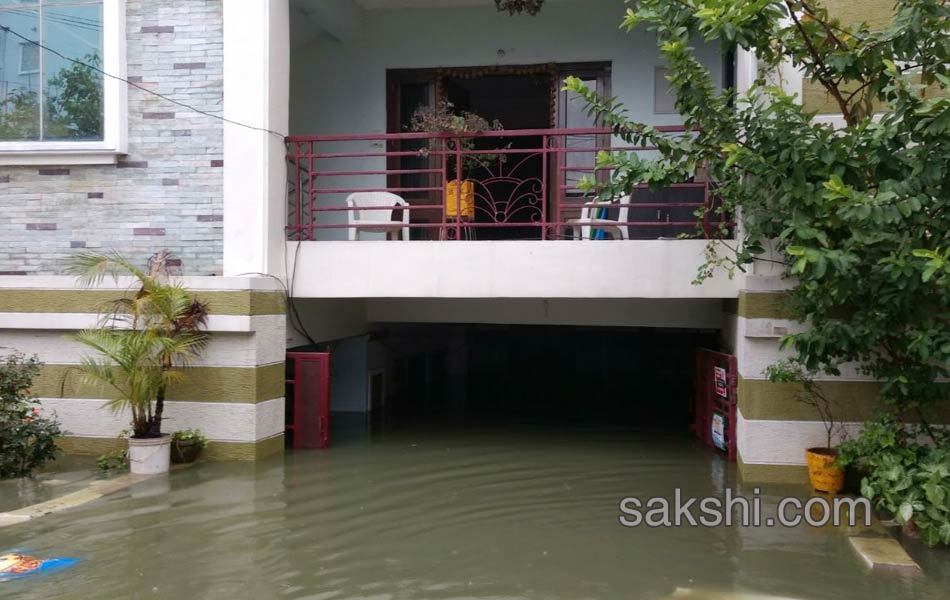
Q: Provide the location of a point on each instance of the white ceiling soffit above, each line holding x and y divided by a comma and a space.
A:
376, 4
341, 19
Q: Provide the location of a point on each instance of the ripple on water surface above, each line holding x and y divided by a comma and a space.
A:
497, 513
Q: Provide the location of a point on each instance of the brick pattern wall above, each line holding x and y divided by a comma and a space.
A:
167, 192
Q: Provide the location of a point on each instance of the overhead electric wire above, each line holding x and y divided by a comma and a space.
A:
143, 88
62, 19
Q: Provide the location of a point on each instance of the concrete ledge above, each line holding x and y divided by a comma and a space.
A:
883, 552
216, 451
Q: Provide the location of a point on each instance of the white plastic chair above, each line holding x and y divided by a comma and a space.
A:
582, 227
372, 220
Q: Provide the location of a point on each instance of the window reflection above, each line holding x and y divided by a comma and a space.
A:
53, 94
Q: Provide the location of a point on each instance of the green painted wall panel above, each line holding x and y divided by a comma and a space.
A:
201, 384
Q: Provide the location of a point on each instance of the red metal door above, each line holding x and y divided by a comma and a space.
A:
308, 419
715, 405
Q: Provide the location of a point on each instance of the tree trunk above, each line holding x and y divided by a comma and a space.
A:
155, 429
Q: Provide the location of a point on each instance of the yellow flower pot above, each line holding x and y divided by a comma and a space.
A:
822, 472
453, 205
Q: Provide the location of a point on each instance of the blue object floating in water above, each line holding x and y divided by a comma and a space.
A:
16, 565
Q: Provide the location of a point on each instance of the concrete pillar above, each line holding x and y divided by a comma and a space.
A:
256, 93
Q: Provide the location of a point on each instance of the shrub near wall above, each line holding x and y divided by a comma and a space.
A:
27, 439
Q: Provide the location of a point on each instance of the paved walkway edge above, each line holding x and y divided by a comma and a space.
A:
93, 491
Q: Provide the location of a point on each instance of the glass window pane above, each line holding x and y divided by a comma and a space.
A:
576, 117
73, 91
19, 76
664, 100
29, 58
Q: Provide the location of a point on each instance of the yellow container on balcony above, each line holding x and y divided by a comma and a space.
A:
465, 206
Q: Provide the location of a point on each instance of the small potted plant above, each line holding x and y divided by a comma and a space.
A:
442, 118
141, 345
187, 444
824, 472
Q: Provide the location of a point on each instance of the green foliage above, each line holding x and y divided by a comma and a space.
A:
908, 479
27, 439
143, 342
116, 459
190, 435
858, 213
20, 116
74, 106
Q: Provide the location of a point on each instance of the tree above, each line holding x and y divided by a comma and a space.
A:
858, 211
143, 341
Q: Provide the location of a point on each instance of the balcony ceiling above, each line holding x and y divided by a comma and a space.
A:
342, 19
377, 4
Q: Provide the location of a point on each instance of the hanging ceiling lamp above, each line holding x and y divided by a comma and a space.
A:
532, 7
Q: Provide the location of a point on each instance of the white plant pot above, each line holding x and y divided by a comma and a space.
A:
150, 456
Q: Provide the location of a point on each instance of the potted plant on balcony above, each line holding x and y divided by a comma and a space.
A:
824, 473
141, 344
443, 119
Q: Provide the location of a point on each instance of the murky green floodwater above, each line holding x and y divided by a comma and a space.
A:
494, 513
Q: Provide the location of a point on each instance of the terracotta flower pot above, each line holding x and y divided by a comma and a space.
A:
822, 472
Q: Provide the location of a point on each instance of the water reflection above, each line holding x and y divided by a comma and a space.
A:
441, 512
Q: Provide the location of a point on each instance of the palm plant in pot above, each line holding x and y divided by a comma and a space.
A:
141, 345
824, 473
460, 163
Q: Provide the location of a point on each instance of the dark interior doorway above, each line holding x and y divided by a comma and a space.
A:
548, 375
516, 101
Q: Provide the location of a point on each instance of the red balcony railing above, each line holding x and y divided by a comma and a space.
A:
518, 185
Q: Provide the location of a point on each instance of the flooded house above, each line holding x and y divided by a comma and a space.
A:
369, 262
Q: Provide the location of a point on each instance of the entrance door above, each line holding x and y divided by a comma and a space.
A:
510, 191
308, 399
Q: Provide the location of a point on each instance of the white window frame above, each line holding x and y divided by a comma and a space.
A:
115, 109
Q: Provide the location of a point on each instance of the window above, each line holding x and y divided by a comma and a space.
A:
29, 58
664, 100
53, 98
